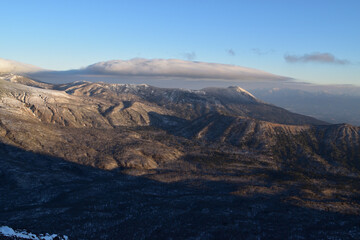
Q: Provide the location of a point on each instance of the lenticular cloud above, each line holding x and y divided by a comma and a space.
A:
178, 68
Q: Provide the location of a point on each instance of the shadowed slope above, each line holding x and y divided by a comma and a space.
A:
86, 203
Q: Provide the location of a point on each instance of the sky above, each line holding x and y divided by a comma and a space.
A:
315, 41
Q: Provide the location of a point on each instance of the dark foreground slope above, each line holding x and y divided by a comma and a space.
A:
99, 161
47, 194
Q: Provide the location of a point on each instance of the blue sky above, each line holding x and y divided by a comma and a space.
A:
65, 34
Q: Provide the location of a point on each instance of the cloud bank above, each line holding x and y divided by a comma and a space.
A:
10, 66
315, 57
157, 72
175, 68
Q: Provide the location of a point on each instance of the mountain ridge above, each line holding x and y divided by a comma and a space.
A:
210, 115
182, 103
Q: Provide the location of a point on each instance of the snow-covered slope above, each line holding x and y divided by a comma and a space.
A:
145, 99
232, 93
16, 78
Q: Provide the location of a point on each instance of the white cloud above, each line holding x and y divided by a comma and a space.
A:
157, 72
8, 66
179, 68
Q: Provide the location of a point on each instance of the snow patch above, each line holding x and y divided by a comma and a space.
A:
9, 232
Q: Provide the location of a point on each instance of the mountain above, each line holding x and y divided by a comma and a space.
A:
220, 115
82, 158
190, 103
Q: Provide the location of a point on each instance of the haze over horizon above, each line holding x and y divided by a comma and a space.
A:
313, 42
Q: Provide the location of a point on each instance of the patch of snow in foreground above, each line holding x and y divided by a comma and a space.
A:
9, 232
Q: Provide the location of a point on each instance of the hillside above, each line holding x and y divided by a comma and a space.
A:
215, 161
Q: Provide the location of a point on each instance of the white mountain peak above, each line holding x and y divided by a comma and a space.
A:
241, 90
